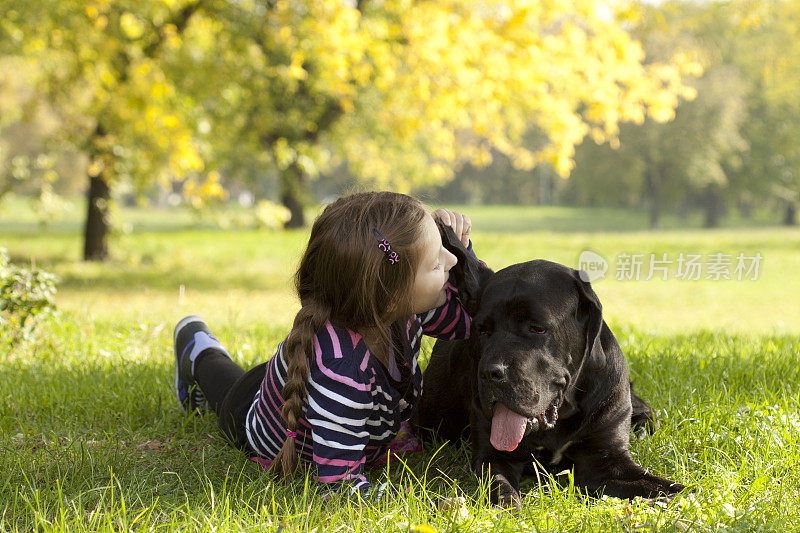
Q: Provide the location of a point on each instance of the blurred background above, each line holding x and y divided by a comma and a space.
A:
135, 137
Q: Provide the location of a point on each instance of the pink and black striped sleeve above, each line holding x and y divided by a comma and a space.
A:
339, 406
450, 320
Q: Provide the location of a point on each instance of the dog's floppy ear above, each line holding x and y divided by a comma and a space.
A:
469, 274
590, 312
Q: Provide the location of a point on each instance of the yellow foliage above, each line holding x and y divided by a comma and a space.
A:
131, 26
285, 155
170, 121
200, 193
108, 79
143, 69
173, 41
296, 69
568, 68
158, 90
271, 215
421, 86
481, 157
211, 188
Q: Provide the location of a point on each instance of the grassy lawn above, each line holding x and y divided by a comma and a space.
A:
91, 437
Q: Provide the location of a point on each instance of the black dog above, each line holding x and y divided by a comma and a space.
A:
541, 377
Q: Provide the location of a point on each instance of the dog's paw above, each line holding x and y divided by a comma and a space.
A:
508, 500
665, 493
675, 488
644, 424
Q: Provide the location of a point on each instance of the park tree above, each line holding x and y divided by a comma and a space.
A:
692, 160
757, 41
685, 161
401, 92
104, 70
765, 50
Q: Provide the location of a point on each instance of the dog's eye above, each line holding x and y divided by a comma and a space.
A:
537, 329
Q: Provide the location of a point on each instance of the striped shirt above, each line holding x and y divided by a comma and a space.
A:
352, 409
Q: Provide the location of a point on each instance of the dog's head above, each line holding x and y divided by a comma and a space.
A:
535, 326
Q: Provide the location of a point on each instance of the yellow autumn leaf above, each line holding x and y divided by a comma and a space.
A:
143, 69
131, 26
170, 121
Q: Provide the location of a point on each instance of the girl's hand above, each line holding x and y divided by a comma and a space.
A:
460, 223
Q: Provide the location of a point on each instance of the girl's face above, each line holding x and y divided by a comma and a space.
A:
432, 272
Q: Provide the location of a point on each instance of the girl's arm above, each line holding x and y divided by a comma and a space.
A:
450, 320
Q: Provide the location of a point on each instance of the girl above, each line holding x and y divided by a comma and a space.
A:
372, 280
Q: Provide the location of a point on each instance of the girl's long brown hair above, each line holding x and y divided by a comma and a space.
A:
345, 276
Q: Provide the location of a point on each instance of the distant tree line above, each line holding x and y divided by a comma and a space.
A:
732, 147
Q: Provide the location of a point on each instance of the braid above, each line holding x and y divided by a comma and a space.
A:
299, 347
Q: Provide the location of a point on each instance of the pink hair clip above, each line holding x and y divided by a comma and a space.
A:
385, 246
292, 434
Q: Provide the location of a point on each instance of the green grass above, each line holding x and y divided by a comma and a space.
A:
91, 437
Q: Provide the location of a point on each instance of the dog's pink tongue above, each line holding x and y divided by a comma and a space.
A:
508, 428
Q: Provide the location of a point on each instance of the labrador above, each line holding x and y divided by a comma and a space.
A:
541, 377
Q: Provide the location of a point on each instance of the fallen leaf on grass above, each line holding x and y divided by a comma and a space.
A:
149, 446
457, 506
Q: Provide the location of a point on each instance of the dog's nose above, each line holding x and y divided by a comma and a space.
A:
494, 372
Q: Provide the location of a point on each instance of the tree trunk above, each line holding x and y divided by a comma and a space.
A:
95, 245
292, 195
712, 203
653, 189
790, 215
545, 186
655, 215
745, 209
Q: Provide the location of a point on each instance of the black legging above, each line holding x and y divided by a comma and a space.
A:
229, 391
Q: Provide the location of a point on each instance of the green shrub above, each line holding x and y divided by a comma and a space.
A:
26, 295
